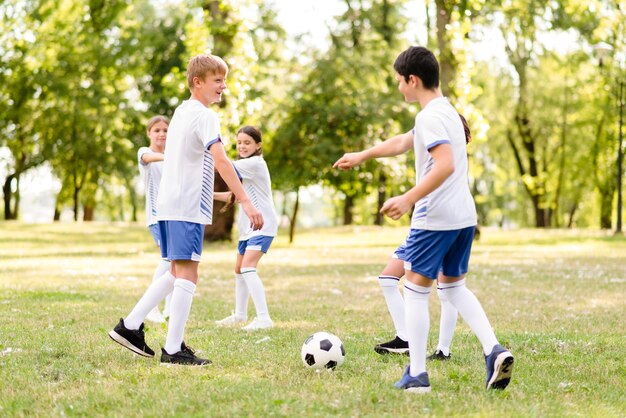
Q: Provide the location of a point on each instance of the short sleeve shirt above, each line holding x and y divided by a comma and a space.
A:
186, 191
151, 175
451, 205
257, 183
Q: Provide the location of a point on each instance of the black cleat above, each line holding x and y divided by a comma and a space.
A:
438, 355
133, 339
395, 346
185, 356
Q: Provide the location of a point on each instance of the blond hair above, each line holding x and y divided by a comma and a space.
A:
203, 64
156, 119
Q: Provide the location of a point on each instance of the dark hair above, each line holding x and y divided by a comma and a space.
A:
253, 133
466, 128
420, 62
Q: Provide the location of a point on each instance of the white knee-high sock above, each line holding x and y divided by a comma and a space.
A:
417, 325
241, 297
472, 313
447, 322
255, 286
163, 266
155, 293
181, 306
395, 303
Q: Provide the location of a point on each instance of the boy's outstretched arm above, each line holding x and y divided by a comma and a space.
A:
228, 173
443, 168
393, 146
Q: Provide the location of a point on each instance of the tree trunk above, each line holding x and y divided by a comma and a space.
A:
382, 196
572, 212
294, 216
76, 205
606, 209
347, 210
132, 196
88, 212
222, 226
6, 189
447, 61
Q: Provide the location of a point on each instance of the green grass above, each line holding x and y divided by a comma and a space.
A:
556, 298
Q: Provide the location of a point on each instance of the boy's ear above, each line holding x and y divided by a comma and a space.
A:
415, 81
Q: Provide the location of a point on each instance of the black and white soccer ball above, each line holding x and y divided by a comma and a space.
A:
323, 350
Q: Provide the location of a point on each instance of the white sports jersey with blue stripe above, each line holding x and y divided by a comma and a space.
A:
256, 181
186, 191
451, 205
151, 175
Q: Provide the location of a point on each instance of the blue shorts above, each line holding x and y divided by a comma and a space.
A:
428, 252
400, 252
156, 233
258, 243
181, 240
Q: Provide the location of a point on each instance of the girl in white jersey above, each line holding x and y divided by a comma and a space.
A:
150, 160
255, 177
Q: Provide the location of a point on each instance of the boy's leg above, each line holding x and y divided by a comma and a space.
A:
129, 332
416, 295
389, 283
182, 296
452, 283
155, 293
155, 315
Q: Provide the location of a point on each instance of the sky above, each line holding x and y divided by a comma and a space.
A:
312, 17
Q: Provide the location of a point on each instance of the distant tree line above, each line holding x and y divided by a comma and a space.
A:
79, 78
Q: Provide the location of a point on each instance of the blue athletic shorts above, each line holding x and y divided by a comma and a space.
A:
257, 243
400, 252
428, 252
181, 240
156, 233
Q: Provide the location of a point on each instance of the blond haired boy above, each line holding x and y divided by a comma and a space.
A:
185, 205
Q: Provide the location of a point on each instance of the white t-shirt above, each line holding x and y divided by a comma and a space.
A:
257, 183
186, 191
151, 175
451, 205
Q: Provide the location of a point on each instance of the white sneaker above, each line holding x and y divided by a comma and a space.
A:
230, 320
155, 316
259, 323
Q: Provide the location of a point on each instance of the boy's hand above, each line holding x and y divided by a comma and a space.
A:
396, 206
349, 160
255, 216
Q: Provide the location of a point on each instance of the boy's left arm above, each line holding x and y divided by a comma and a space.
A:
225, 167
443, 168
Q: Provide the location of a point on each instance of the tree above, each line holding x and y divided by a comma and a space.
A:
19, 91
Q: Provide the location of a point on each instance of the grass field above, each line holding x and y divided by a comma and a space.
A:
555, 298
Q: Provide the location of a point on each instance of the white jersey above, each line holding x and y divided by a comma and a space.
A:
151, 175
256, 181
186, 192
451, 205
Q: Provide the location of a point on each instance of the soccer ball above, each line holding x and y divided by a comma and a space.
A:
323, 350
